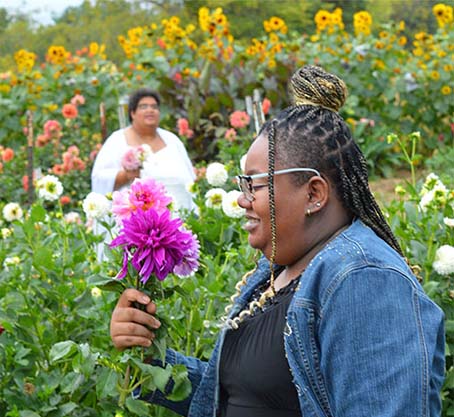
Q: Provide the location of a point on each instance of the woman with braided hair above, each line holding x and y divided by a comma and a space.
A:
332, 322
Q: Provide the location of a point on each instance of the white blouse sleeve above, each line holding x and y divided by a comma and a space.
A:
108, 163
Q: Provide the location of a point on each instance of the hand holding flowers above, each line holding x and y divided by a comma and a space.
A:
154, 244
134, 158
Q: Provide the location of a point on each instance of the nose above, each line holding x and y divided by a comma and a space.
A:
243, 202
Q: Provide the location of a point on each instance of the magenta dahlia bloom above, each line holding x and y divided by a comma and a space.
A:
190, 262
143, 194
154, 243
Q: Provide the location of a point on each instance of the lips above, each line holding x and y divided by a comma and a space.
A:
251, 223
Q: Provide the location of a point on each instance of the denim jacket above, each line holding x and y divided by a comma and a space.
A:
362, 338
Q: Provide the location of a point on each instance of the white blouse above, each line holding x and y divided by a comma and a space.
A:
170, 166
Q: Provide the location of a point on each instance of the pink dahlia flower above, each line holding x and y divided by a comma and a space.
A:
239, 119
154, 243
52, 128
190, 262
143, 194
130, 160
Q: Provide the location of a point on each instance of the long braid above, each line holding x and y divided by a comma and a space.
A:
272, 206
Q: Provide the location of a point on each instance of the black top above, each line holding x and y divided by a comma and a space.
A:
254, 374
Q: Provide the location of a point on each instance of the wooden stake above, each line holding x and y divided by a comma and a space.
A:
30, 149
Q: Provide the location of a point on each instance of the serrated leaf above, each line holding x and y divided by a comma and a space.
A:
37, 213
106, 383
107, 284
62, 349
182, 388
137, 407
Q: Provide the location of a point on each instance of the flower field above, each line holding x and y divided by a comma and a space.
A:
56, 298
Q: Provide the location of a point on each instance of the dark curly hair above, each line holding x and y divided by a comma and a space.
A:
138, 95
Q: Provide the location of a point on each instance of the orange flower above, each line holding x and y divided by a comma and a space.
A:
266, 104
69, 111
65, 199
7, 155
58, 169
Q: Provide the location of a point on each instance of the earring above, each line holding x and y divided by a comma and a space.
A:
308, 212
318, 204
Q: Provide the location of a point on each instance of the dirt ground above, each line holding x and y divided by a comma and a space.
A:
383, 188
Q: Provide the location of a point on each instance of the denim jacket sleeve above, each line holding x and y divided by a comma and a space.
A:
381, 346
195, 367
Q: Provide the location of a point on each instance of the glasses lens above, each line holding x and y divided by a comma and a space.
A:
245, 184
148, 106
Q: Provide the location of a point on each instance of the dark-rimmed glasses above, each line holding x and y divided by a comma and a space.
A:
145, 106
248, 189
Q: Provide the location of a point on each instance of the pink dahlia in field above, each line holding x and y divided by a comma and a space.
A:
230, 135
239, 119
52, 128
143, 194
77, 100
69, 111
183, 128
154, 243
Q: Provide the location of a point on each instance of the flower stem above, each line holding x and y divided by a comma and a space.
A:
124, 392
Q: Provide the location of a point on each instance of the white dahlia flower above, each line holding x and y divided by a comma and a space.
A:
230, 204
96, 206
49, 188
216, 174
12, 211
214, 197
444, 260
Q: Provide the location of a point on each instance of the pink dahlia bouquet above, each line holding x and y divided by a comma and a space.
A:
135, 157
154, 244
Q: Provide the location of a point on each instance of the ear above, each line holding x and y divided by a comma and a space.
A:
318, 191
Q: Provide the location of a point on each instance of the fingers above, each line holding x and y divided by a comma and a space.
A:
125, 335
130, 326
134, 315
130, 296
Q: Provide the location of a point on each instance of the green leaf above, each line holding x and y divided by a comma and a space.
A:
106, 383
37, 213
137, 407
71, 382
62, 349
66, 409
42, 257
449, 326
106, 283
161, 376
160, 346
182, 387
28, 413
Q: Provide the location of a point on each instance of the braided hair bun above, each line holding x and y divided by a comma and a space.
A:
314, 86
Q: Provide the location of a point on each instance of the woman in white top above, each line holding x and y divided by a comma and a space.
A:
168, 163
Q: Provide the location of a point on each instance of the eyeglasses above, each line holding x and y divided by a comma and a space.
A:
145, 106
248, 189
